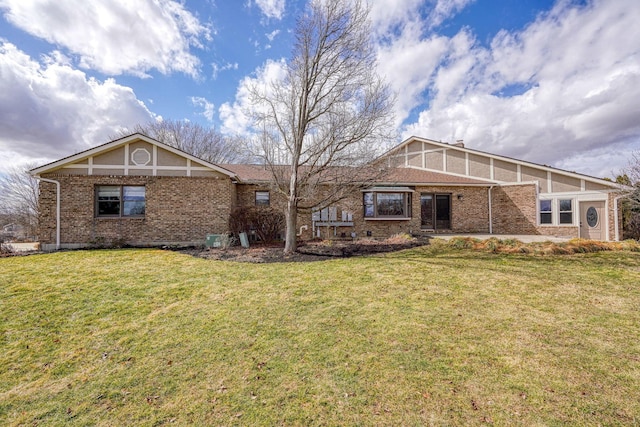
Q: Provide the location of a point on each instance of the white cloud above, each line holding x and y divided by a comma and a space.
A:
207, 107
563, 89
219, 68
272, 8
49, 110
444, 9
118, 36
408, 64
234, 117
272, 35
385, 15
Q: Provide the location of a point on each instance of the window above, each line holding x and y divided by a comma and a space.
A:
566, 211
119, 201
545, 212
387, 205
262, 198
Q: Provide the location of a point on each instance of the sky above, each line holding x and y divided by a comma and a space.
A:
550, 82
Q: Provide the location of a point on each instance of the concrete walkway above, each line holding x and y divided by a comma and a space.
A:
521, 237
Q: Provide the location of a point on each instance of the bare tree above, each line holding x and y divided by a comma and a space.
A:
630, 206
206, 143
631, 179
321, 125
19, 197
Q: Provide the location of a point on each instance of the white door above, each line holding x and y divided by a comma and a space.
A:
592, 220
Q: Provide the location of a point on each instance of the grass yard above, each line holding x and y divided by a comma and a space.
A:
427, 336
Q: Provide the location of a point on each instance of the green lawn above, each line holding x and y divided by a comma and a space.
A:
419, 337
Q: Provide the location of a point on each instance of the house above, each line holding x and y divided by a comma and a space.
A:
139, 191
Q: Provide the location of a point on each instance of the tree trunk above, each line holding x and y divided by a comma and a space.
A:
290, 233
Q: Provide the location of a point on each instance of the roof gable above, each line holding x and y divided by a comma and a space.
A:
455, 159
135, 153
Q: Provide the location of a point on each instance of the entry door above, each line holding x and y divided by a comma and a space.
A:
592, 221
435, 211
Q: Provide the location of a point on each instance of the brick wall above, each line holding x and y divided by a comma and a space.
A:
469, 214
514, 209
178, 210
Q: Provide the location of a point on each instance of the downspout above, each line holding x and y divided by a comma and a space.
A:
57, 183
490, 214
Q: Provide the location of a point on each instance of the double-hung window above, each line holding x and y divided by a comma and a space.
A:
566, 211
546, 213
556, 211
120, 201
387, 204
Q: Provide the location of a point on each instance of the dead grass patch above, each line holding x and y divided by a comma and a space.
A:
514, 246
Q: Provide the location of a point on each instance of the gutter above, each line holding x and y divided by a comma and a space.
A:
57, 183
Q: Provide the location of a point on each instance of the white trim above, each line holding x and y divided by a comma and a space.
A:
511, 184
466, 164
491, 172
89, 166
519, 173
578, 195
126, 159
155, 160
388, 190
121, 142
444, 160
188, 167
616, 214
507, 159
177, 168
549, 183
453, 174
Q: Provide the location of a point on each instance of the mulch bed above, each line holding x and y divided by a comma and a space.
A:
308, 251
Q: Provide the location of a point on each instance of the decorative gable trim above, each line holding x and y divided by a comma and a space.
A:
73, 162
402, 151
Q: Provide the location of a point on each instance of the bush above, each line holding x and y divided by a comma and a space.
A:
265, 221
5, 248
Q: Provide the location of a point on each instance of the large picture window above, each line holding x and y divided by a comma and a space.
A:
387, 205
120, 201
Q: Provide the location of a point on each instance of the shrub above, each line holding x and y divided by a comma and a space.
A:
463, 242
265, 221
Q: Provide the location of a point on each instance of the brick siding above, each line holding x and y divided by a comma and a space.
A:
178, 210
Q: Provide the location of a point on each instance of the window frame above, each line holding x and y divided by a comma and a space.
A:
257, 200
122, 202
370, 205
561, 212
545, 212
557, 217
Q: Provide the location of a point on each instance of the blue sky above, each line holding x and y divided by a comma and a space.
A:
553, 82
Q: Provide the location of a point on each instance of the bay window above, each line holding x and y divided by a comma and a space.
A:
387, 204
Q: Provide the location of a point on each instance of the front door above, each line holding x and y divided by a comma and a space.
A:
592, 221
435, 211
